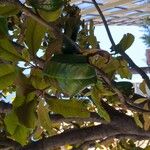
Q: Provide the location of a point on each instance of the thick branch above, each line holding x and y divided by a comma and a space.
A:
84, 134
124, 55
121, 124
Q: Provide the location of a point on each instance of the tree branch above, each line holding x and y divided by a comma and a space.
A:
121, 52
121, 124
86, 134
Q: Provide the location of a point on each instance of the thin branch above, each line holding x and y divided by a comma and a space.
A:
121, 52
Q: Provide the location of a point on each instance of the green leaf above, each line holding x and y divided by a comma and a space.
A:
71, 72
43, 116
96, 97
8, 10
137, 120
8, 52
146, 118
7, 75
11, 122
142, 87
27, 114
36, 76
3, 26
51, 15
50, 5
30, 97
69, 108
18, 101
34, 34
125, 42
21, 134
140, 100
123, 69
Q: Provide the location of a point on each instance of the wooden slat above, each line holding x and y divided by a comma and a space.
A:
122, 16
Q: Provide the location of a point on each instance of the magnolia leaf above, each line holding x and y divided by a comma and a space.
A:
17, 131
137, 120
43, 116
26, 55
27, 114
30, 97
11, 122
8, 10
51, 15
142, 87
34, 34
8, 52
3, 26
146, 118
69, 108
46, 5
36, 76
125, 42
96, 96
71, 72
7, 75
140, 100
38, 133
21, 134
92, 38
18, 101
24, 86
123, 69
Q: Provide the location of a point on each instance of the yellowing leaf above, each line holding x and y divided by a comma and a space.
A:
34, 34
125, 42
140, 100
7, 75
137, 120
96, 97
51, 15
143, 87
69, 108
38, 132
146, 118
43, 116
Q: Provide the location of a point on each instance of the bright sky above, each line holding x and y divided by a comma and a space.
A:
136, 51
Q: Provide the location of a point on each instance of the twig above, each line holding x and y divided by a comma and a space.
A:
124, 55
